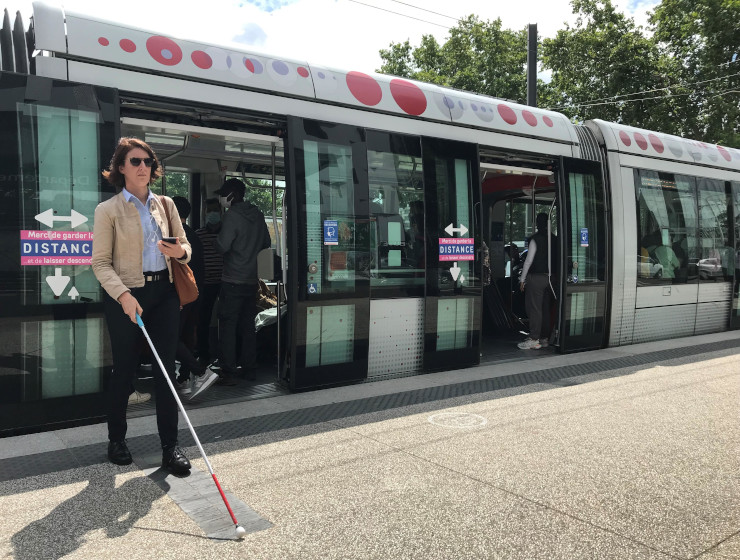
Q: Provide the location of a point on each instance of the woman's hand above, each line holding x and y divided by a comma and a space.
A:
172, 250
130, 305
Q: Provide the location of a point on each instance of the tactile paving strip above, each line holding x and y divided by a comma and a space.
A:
54, 461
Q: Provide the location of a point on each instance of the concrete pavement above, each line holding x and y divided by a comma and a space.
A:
640, 461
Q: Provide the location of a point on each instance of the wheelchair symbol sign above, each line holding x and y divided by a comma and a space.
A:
331, 232
584, 237
312, 289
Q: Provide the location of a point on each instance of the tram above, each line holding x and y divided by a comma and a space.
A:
397, 209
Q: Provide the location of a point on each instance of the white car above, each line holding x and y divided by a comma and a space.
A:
709, 268
648, 268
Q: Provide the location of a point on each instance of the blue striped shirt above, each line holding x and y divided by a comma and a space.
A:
152, 258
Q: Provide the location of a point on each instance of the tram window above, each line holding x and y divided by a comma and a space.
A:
337, 241
520, 227
259, 193
396, 219
397, 244
177, 183
667, 224
716, 254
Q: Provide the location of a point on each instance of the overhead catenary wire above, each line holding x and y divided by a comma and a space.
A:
425, 10
615, 99
621, 101
400, 14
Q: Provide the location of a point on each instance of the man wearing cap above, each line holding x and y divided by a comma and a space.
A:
242, 236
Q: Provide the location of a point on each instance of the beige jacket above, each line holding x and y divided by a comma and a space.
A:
118, 242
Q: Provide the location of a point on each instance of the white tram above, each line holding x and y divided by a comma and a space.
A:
385, 197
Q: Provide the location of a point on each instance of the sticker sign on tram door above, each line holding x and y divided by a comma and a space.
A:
456, 249
453, 249
57, 248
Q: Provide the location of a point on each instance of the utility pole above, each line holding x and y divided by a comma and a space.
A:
532, 65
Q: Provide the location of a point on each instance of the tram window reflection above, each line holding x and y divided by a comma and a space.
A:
396, 220
667, 223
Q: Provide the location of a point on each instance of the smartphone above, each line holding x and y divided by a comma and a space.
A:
170, 240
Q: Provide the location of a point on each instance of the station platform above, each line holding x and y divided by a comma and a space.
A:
628, 452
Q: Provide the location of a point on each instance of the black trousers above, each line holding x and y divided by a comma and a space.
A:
207, 298
161, 316
237, 337
186, 343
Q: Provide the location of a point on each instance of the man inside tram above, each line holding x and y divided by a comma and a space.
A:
213, 263
242, 236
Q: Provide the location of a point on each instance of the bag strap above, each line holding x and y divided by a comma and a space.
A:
166, 213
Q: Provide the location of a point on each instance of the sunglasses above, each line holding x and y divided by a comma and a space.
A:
136, 161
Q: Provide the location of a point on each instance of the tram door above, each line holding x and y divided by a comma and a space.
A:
329, 286
735, 311
584, 262
453, 268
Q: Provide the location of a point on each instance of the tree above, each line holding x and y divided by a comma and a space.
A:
479, 56
703, 36
602, 66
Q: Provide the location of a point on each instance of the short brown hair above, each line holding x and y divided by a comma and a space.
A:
125, 145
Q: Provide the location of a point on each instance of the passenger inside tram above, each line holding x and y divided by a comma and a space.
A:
511, 200
196, 165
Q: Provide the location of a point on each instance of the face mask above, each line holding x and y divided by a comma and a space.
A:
226, 201
212, 218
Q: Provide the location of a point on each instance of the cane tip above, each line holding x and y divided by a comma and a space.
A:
240, 531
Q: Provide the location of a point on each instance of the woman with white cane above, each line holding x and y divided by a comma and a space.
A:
133, 244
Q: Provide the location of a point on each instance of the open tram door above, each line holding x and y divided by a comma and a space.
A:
584, 255
196, 160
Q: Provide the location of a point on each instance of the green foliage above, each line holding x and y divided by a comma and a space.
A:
702, 36
176, 183
603, 56
478, 56
676, 77
259, 193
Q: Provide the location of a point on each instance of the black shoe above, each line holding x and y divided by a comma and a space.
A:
118, 453
249, 373
226, 380
174, 460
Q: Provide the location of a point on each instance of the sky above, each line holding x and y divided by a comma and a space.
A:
342, 34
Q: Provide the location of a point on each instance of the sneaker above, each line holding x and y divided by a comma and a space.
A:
202, 383
544, 342
529, 344
215, 366
184, 387
138, 398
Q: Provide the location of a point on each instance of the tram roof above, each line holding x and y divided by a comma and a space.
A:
631, 140
103, 42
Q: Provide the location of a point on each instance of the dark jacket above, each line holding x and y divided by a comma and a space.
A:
243, 234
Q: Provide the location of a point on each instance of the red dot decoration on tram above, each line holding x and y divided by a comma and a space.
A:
725, 154
164, 50
201, 59
640, 141
656, 143
303, 72
409, 97
548, 121
625, 138
507, 113
103, 41
529, 118
365, 89
127, 45
249, 64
